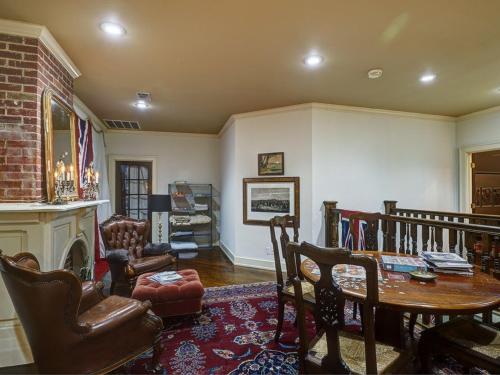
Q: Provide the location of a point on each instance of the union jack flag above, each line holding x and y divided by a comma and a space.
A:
348, 240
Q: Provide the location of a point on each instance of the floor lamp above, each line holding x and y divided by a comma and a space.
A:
159, 203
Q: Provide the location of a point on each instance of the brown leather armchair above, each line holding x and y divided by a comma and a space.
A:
125, 240
72, 328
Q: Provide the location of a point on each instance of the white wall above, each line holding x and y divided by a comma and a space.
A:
361, 158
286, 131
176, 157
476, 132
228, 185
356, 156
480, 128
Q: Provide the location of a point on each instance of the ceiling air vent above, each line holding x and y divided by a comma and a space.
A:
121, 124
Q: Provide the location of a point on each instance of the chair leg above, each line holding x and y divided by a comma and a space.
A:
354, 310
425, 356
281, 314
156, 366
411, 324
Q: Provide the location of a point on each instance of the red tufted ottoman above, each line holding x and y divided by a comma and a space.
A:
182, 297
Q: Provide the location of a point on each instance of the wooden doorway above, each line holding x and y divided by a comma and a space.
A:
486, 182
133, 184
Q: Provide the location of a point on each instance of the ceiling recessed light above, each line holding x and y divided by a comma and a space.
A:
112, 28
141, 104
375, 73
313, 60
427, 78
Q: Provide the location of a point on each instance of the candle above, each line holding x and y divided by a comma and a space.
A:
97, 177
71, 171
68, 176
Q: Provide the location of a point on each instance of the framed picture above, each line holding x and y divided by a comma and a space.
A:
266, 197
271, 164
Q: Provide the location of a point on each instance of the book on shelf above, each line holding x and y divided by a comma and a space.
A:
402, 264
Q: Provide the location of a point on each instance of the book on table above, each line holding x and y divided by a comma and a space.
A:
402, 264
450, 263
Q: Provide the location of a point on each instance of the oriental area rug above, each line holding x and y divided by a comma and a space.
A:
235, 335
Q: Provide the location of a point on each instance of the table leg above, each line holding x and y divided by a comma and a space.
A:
389, 327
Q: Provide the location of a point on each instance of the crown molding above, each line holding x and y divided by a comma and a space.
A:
86, 113
332, 107
479, 113
43, 34
346, 108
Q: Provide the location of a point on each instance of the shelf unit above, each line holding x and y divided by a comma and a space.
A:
195, 214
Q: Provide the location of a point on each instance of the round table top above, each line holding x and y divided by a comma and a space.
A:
448, 294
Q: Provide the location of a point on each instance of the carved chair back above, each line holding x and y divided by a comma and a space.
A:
370, 232
47, 305
330, 303
122, 232
282, 222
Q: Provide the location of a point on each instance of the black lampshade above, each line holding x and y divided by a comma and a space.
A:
159, 203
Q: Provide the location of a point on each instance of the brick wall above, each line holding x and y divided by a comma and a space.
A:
27, 67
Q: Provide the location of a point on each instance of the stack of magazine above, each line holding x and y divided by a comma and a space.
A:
448, 263
166, 277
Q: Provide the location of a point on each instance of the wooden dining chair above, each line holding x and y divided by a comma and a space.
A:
334, 350
369, 232
471, 343
284, 286
370, 235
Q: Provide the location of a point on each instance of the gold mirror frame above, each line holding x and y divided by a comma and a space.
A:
48, 96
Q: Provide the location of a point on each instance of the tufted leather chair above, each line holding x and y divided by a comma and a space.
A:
125, 241
71, 327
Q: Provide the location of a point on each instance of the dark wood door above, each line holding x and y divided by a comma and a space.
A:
486, 182
133, 185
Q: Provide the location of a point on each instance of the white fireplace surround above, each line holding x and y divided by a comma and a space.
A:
49, 232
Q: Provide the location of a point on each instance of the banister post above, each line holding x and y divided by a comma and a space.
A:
389, 206
331, 224
390, 238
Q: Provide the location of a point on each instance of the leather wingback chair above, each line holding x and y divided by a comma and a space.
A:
125, 240
72, 328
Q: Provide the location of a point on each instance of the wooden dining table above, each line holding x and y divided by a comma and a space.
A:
448, 294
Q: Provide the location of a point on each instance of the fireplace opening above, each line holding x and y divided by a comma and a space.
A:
77, 260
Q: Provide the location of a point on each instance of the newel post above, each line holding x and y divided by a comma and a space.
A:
389, 207
331, 224
390, 227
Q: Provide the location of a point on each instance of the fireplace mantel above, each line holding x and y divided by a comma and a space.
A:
44, 207
49, 232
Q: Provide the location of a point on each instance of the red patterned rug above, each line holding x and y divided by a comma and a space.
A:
235, 335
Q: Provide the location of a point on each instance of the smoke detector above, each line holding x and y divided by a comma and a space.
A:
375, 73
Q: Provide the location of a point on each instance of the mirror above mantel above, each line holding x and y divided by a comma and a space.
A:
60, 149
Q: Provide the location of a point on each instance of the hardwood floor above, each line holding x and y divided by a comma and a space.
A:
216, 270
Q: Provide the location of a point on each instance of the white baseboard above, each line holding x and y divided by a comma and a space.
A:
226, 251
262, 264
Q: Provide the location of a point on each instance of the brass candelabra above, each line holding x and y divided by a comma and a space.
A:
64, 181
91, 183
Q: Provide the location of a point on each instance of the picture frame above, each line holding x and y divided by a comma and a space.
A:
271, 164
266, 197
